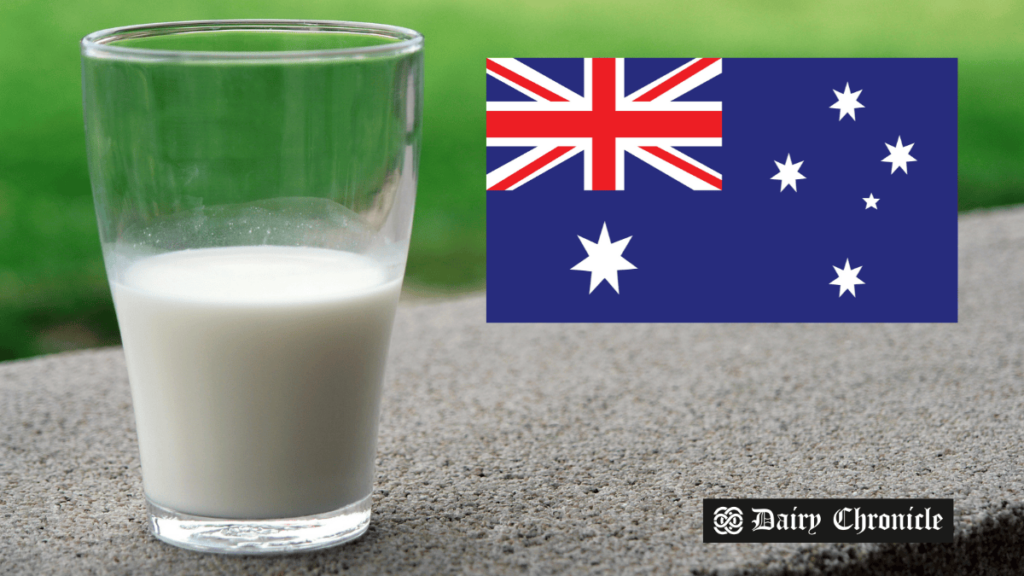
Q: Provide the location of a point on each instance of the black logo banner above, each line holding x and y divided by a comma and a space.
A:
828, 520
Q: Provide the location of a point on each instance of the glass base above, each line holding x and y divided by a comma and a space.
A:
275, 536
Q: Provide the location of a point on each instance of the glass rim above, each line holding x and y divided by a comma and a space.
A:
97, 44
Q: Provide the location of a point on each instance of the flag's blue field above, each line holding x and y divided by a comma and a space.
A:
750, 252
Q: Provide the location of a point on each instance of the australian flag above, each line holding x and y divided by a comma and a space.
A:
721, 190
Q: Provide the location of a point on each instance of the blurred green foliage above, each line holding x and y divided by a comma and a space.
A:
53, 292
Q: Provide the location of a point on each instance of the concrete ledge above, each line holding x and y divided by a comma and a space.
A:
588, 448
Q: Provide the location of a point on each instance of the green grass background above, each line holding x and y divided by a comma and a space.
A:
53, 292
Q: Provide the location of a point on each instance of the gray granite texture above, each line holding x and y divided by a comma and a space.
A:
587, 449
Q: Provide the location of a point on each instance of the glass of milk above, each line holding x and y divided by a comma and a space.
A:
254, 184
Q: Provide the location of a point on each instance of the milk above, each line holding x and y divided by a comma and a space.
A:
255, 375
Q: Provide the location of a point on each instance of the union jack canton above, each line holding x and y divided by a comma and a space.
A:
604, 122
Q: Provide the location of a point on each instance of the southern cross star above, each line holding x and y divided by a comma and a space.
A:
789, 173
899, 155
604, 260
847, 103
871, 202
847, 279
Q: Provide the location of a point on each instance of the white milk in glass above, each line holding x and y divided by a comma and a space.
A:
255, 375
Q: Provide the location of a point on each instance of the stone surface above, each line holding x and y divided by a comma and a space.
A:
539, 449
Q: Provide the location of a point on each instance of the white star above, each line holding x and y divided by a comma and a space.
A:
789, 173
847, 103
847, 279
604, 260
871, 202
899, 155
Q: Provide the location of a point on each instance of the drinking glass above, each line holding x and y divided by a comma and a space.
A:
254, 183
